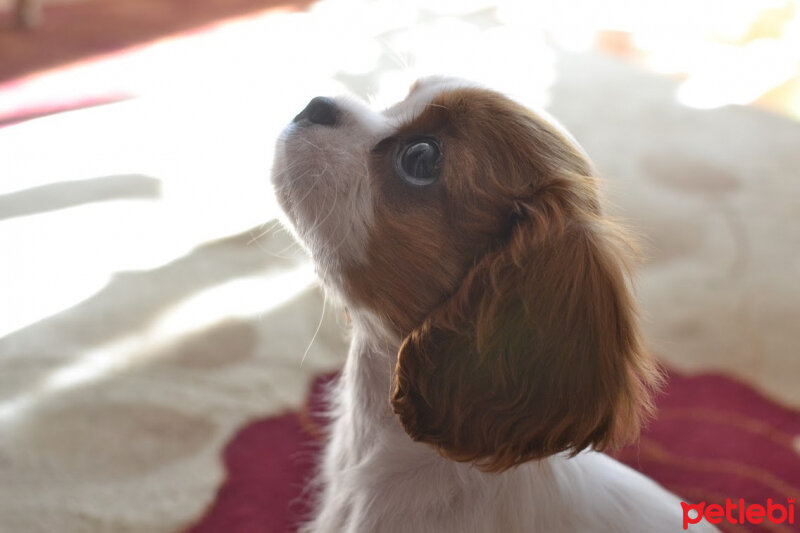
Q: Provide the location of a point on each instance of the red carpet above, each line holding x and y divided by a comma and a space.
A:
269, 463
715, 438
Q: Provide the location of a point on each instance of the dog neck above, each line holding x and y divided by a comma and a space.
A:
368, 373
369, 450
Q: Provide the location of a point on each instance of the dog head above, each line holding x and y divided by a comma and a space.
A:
471, 227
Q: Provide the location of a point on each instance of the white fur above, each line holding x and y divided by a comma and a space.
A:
321, 180
374, 478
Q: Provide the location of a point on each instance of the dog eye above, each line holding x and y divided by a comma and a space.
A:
418, 162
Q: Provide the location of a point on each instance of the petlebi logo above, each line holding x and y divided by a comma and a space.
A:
737, 512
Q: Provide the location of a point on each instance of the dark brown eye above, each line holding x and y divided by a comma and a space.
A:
417, 163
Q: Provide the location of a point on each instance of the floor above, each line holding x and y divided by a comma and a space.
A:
79, 29
747, 54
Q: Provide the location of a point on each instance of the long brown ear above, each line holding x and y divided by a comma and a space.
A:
537, 352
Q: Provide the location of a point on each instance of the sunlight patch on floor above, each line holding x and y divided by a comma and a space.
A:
240, 298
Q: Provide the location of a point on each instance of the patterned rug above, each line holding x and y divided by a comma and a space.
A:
715, 439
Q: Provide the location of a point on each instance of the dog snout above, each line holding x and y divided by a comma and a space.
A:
320, 110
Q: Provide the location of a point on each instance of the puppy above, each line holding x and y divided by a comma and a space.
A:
495, 347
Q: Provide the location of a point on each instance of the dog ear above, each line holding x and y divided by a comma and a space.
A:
537, 352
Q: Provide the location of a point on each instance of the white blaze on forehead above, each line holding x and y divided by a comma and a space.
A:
422, 93
356, 113
425, 90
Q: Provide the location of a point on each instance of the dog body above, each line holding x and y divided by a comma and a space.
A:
494, 339
375, 479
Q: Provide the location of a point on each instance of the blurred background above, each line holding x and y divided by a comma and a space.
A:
160, 331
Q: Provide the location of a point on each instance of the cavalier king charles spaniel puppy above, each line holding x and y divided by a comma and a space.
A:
495, 348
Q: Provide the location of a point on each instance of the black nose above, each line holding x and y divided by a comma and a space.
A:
320, 110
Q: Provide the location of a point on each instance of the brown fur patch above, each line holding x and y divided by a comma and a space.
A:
509, 287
